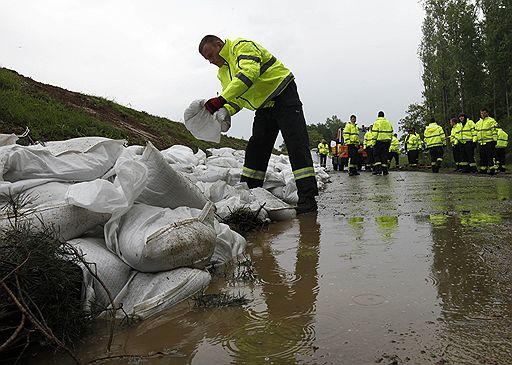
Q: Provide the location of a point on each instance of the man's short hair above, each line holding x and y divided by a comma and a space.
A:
208, 39
353, 116
380, 115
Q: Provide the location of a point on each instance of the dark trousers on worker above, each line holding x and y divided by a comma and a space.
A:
323, 160
369, 158
487, 155
412, 157
457, 155
396, 156
353, 158
500, 158
436, 157
468, 157
286, 116
381, 155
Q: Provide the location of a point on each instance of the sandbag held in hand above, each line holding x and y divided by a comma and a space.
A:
206, 126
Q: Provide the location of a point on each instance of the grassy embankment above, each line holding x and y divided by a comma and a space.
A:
53, 113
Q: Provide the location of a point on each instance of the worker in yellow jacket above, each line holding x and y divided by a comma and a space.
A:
351, 138
486, 138
435, 140
368, 144
412, 147
253, 78
323, 151
394, 151
455, 142
467, 142
383, 132
501, 146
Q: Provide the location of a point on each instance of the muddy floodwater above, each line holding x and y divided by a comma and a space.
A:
412, 268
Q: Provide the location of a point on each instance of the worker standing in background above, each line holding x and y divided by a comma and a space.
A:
412, 147
351, 138
323, 151
394, 151
368, 143
383, 132
486, 138
455, 142
467, 144
253, 78
501, 146
435, 140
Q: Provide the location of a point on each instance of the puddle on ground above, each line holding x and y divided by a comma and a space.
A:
409, 268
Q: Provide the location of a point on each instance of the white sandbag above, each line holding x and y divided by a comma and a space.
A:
204, 125
78, 159
179, 154
211, 173
148, 294
222, 161
152, 239
47, 206
109, 268
201, 156
223, 151
233, 176
290, 195
8, 139
227, 206
166, 187
230, 244
273, 179
276, 208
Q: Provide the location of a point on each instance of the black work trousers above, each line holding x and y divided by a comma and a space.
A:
369, 158
353, 158
487, 155
323, 160
286, 116
412, 157
500, 158
436, 157
381, 155
396, 156
457, 153
468, 155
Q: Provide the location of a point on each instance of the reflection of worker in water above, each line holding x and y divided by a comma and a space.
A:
387, 224
290, 303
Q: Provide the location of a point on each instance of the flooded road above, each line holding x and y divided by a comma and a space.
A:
411, 268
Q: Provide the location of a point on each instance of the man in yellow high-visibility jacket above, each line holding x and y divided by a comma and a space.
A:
323, 151
412, 145
435, 140
467, 142
368, 144
383, 132
455, 142
486, 137
253, 78
394, 151
351, 138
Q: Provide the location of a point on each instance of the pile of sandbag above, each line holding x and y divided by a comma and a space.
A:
157, 211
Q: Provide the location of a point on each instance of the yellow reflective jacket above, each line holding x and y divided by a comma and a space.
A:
434, 136
351, 134
382, 129
455, 134
467, 132
369, 139
502, 138
413, 142
395, 145
251, 77
323, 148
485, 130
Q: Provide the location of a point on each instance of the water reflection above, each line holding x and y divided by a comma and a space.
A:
283, 331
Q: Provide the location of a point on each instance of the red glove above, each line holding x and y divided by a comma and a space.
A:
214, 104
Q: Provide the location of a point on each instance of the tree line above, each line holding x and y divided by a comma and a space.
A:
466, 52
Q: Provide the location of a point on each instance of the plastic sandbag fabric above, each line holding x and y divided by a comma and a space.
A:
204, 125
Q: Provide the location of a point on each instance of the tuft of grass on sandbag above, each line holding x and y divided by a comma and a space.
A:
242, 220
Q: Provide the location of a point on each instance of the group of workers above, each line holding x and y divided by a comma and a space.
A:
381, 146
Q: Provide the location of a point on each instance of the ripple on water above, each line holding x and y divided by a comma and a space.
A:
277, 341
432, 280
369, 299
286, 277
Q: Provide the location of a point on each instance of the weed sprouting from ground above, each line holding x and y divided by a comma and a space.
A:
219, 300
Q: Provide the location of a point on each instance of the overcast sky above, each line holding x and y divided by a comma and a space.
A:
348, 57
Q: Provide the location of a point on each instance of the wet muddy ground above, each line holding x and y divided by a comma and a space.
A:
410, 268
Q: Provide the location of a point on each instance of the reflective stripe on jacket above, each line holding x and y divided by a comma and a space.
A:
323, 148
467, 132
413, 142
502, 138
434, 136
395, 145
382, 129
486, 130
351, 134
251, 77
